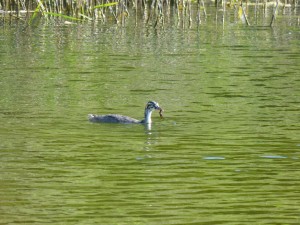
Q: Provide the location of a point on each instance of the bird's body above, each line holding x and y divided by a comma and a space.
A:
116, 118
112, 118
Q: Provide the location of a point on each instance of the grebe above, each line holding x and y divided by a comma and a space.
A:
115, 118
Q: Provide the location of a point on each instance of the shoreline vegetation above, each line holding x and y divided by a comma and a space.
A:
154, 12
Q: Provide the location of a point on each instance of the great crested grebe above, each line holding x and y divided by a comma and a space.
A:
115, 118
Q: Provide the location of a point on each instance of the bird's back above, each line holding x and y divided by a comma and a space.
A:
111, 118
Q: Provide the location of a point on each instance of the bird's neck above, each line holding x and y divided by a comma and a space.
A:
148, 116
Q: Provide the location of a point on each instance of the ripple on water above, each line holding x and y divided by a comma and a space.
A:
273, 157
214, 158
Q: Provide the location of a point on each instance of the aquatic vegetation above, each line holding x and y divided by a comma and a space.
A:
154, 12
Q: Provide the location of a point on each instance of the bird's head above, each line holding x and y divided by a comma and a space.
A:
151, 106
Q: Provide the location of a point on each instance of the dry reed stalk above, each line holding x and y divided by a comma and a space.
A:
274, 13
244, 13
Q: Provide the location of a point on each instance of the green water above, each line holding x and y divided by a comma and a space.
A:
227, 152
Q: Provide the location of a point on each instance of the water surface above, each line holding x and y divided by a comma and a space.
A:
227, 151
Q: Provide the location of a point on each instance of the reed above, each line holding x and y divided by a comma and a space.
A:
154, 12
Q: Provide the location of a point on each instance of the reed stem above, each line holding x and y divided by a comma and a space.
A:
156, 12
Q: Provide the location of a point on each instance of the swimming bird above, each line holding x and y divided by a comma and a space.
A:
116, 118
